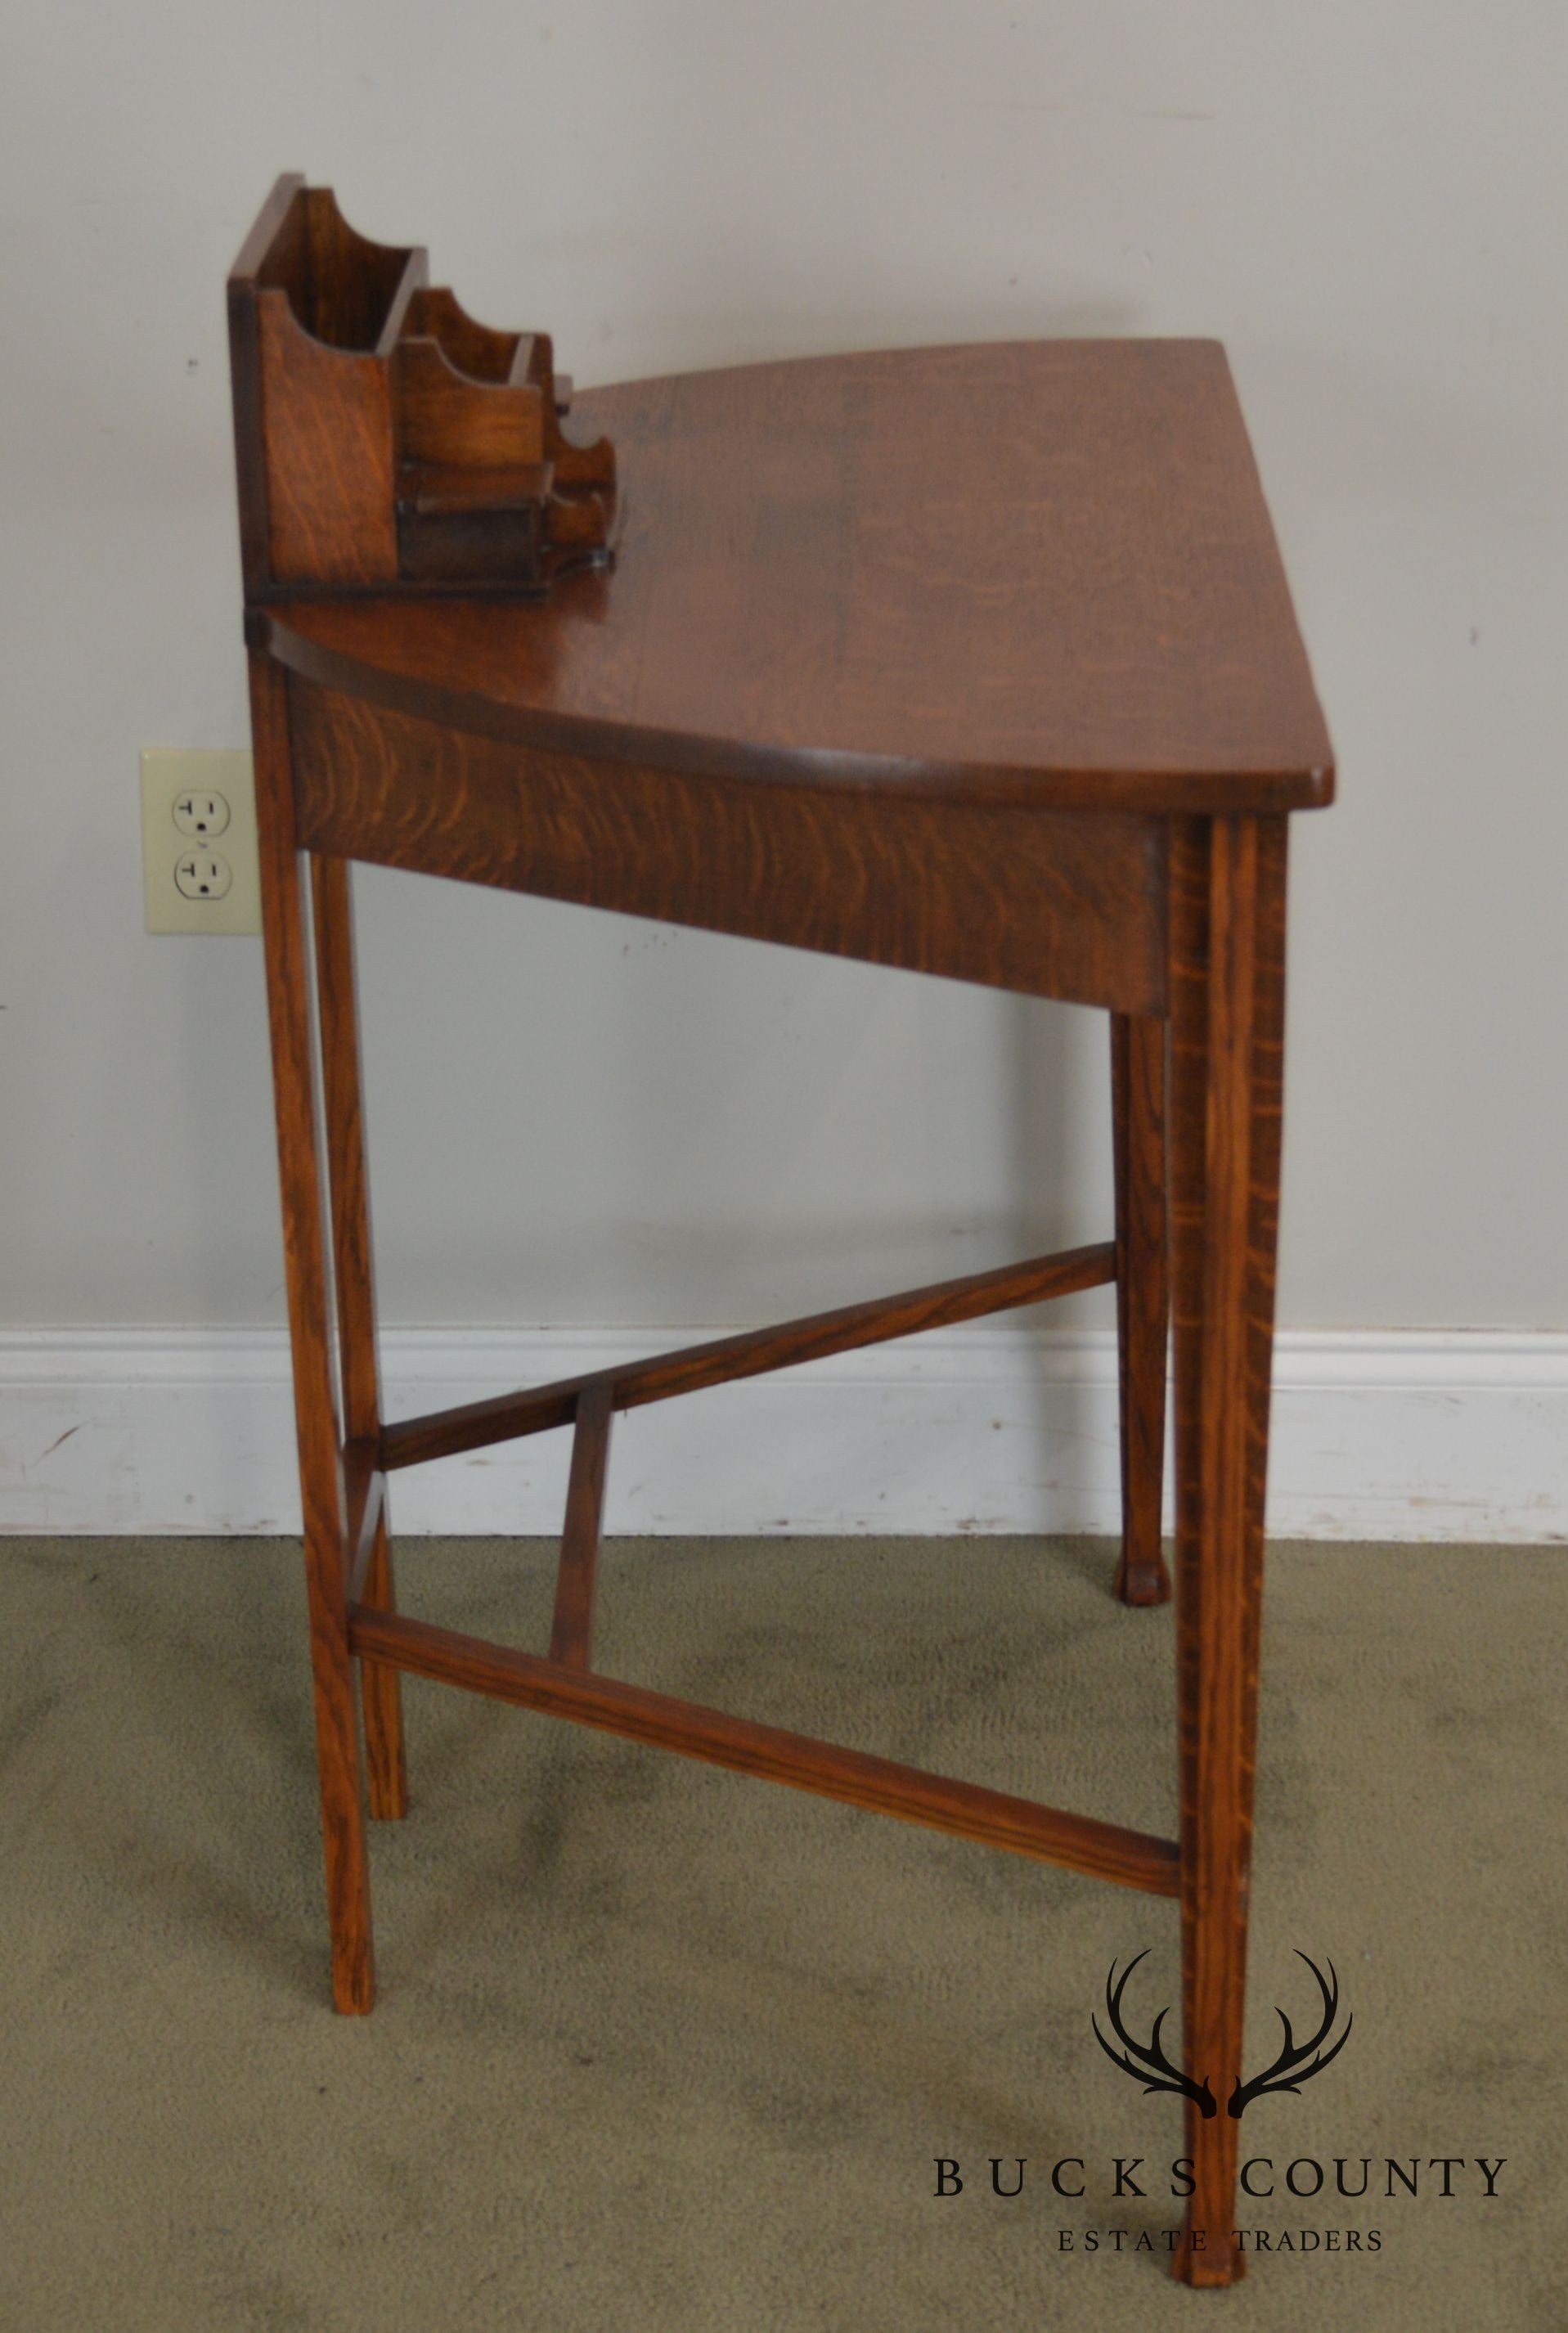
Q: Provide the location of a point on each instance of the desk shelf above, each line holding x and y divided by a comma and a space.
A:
386, 441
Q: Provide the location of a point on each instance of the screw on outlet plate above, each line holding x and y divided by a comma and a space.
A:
200, 813
203, 875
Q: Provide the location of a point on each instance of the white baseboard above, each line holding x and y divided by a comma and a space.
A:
1376, 1435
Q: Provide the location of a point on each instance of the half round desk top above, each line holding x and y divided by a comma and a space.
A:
1040, 571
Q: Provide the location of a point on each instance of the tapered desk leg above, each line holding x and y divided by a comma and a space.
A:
1143, 1298
354, 1277
1227, 1063
303, 1184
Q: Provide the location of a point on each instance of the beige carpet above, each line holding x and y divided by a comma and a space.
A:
662, 2048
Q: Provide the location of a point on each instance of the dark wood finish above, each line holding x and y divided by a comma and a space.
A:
977, 661
1047, 903
572, 1635
1143, 1298
303, 1179
354, 1278
1103, 1850
443, 1433
1227, 1063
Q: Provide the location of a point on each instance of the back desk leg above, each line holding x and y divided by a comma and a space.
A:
1142, 1296
355, 1280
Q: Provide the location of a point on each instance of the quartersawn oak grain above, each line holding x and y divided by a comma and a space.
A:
1042, 902
973, 660
1142, 1296
663, 1377
1041, 572
353, 1272
1102, 1850
304, 1170
1228, 1028
386, 440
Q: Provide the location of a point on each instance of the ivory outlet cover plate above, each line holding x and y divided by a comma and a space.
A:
199, 840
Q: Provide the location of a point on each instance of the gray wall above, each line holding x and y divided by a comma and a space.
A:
582, 1120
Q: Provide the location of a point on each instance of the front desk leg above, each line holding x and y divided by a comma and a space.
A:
1227, 881
303, 1181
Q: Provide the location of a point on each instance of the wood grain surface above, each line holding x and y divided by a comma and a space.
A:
663, 1377
978, 661
1228, 950
1042, 902
1143, 1298
307, 1246
572, 1634
1103, 1850
354, 1275
1041, 569
331, 493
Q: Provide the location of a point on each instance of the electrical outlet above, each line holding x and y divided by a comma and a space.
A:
201, 813
198, 842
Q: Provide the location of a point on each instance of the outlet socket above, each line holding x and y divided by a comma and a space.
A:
200, 813
192, 881
202, 874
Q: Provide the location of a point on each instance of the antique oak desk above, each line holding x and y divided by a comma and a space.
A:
977, 661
